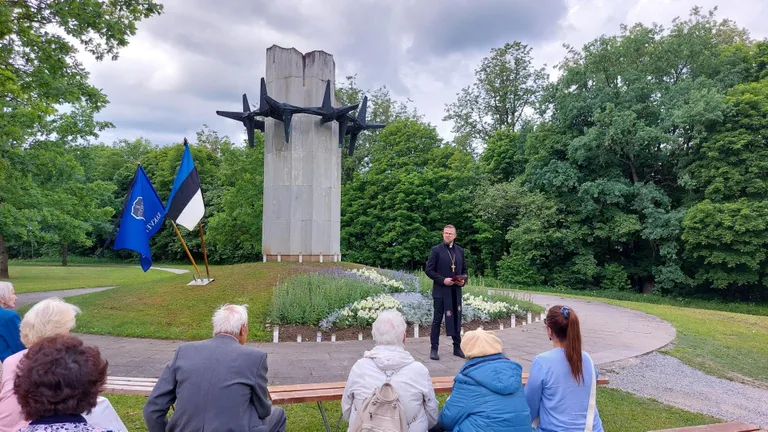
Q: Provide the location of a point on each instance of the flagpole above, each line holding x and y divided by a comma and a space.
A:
205, 252
186, 249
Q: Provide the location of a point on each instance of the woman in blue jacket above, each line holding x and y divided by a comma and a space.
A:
487, 393
10, 340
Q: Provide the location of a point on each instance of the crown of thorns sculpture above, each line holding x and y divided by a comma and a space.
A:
283, 112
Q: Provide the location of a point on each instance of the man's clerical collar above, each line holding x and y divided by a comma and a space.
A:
449, 245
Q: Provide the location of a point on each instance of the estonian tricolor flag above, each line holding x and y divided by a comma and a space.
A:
185, 205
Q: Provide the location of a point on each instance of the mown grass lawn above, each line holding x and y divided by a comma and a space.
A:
620, 411
31, 277
171, 309
723, 344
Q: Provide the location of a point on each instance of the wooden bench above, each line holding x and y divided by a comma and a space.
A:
283, 394
717, 427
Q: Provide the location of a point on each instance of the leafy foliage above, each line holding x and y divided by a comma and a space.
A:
641, 167
49, 104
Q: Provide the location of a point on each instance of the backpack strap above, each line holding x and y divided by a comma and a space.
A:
592, 398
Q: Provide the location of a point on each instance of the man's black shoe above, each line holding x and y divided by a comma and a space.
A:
433, 354
458, 352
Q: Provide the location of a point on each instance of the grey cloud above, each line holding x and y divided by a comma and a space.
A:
444, 27
220, 48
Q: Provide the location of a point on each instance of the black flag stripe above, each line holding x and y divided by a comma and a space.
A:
187, 190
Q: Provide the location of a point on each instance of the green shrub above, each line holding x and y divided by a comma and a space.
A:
615, 278
307, 299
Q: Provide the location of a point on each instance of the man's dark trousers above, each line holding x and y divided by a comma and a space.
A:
437, 321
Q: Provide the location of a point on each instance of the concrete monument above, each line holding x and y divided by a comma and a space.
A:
302, 164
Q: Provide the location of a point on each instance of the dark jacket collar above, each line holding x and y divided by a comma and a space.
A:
64, 418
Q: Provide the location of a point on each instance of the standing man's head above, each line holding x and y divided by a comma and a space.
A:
7, 295
449, 234
232, 320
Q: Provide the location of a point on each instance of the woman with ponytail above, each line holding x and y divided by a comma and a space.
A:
561, 384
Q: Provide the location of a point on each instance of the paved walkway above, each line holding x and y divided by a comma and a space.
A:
610, 333
168, 269
24, 299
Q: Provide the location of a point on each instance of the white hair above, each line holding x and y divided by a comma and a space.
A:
389, 328
6, 292
50, 317
230, 319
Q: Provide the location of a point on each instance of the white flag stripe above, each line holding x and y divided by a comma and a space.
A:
193, 212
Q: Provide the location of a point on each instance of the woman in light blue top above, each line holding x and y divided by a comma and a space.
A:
561, 384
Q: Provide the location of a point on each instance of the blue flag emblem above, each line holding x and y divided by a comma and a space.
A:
142, 218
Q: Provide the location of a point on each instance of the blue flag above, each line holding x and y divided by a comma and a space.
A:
143, 216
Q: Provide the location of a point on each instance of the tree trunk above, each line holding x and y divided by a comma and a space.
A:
3, 260
64, 252
648, 285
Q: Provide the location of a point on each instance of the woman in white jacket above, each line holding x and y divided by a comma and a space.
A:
410, 378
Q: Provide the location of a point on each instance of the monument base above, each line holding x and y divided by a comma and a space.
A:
203, 281
325, 258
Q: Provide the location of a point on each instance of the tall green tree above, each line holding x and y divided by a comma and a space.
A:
726, 234
392, 213
234, 230
626, 118
382, 108
39, 72
506, 91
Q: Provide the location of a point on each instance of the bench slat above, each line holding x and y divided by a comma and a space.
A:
279, 394
329, 394
717, 427
119, 378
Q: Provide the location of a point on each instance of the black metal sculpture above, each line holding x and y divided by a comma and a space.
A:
283, 112
359, 124
247, 117
328, 113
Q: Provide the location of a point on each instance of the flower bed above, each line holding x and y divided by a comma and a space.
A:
347, 302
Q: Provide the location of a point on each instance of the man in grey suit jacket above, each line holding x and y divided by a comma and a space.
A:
217, 384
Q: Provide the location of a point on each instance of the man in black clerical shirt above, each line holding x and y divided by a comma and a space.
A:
448, 270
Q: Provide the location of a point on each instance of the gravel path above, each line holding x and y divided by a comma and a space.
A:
668, 380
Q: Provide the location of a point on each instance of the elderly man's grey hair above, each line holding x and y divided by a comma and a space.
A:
6, 292
389, 328
50, 317
230, 319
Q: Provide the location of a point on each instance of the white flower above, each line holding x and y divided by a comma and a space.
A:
377, 278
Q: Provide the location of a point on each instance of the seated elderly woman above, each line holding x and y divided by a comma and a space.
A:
58, 379
10, 342
389, 359
50, 317
487, 393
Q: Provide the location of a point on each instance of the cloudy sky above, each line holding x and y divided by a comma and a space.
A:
197, 58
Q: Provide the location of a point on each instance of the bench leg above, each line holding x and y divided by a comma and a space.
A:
338, 423
325, 417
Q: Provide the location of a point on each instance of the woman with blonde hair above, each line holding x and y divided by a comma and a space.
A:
562, 382
50, 317
10, 343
